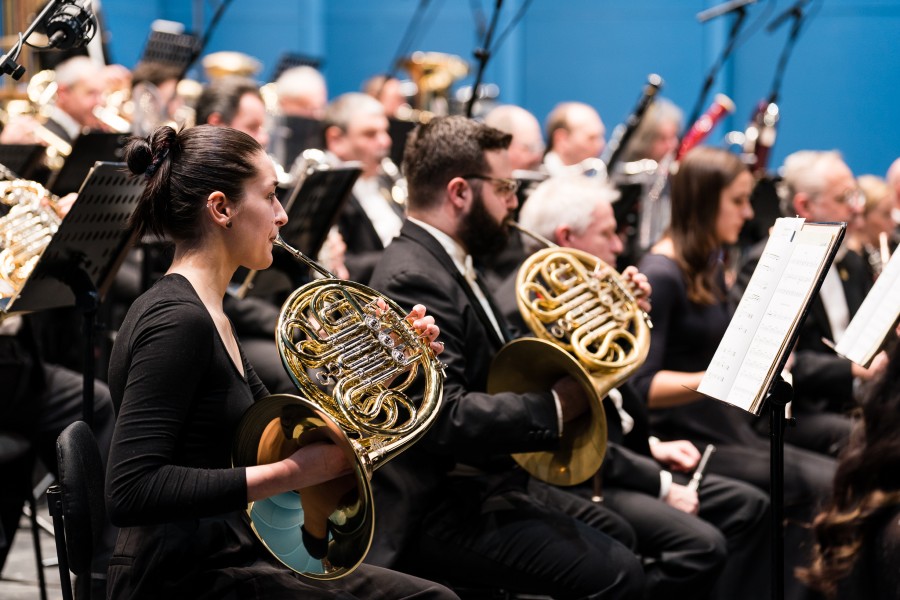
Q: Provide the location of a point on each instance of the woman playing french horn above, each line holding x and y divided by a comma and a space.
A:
181, 383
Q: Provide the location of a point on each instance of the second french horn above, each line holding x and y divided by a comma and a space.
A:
578, 305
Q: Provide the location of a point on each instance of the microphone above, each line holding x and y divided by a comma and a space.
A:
71, 25
722, 9
794, 11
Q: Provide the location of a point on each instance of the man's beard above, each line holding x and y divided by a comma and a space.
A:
482, 235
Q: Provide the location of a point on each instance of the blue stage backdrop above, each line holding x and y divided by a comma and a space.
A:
839, 86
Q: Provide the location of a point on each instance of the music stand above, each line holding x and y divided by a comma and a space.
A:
21, 159
399, 130
294, 135
87, 149
80, 262
176, 49
313, 208
290, 60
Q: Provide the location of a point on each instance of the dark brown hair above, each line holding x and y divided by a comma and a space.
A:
444, 148
182, 169
223, 96
696, 196
866, 485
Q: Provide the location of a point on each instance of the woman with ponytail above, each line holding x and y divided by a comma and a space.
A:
182, 383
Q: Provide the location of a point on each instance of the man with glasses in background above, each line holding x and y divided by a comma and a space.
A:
460, 510
820, 187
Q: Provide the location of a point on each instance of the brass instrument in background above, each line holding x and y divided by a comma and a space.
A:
399, 190
343, 334
433, 73
28, 225
581, 308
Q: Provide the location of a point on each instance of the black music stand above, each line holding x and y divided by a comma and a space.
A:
176, 49
294, 135
87, 149
80, 263
22, 159
399, 130
290, 60
313, 208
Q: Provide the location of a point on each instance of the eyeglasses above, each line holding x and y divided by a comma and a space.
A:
502, 186
852, 197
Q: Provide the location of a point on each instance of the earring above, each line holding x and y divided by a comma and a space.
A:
228, 224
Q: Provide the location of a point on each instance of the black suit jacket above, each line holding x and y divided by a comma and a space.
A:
364, 247
474, 428
822, 379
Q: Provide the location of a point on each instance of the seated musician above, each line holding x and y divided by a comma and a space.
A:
462, 511
182, 383
693, 542
575, 136
356, 129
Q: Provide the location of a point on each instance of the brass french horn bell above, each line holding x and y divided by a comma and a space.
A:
347, 337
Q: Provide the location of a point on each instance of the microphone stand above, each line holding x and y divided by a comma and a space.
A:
483, 54
796, 14
726, 53
8, 64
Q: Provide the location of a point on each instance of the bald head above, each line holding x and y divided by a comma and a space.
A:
575, 132
527, 147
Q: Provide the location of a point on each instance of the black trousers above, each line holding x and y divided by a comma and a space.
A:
719, 553
538, 539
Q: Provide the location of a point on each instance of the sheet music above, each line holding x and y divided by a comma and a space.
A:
724, 367
875, 317
792, 263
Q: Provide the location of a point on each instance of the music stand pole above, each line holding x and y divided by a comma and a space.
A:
779, 396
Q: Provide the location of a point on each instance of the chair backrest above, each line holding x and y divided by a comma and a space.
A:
83, 499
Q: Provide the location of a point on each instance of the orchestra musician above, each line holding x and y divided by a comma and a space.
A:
712, 542
710, 204
858, 534
460, 510
356, 129
575, 138
182, 383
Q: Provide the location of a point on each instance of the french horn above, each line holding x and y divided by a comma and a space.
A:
577, 304
347, 337
25, 231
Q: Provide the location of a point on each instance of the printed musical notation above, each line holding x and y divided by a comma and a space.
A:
875, 318
793, 262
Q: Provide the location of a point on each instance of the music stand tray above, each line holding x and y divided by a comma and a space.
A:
298, 134
86, 150
21, 159
85, 253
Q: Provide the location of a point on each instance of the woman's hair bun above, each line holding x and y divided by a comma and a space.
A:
143, 155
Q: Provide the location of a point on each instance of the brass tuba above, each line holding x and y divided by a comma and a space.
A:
575, 302
335, 333
25, 231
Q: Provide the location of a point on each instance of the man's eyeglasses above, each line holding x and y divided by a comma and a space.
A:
502, 186
854, 197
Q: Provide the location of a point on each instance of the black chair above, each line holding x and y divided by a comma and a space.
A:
13, 449
77, 506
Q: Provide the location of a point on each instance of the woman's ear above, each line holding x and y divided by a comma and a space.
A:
219, 209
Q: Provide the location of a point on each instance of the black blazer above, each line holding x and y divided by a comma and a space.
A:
364, 247
822, 379
473, 428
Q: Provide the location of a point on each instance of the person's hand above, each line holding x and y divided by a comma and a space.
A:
62, 206
425, 327
683, 498
679, 455
639, 286
879, 364
21, 130
319, 501
572, 398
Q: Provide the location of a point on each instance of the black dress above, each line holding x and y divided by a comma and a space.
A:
170, 484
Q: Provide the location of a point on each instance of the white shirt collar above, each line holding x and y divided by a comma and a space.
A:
65, 120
